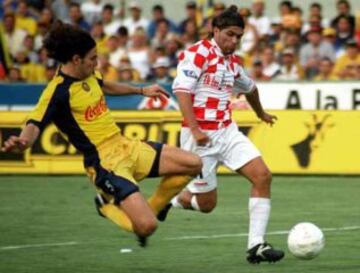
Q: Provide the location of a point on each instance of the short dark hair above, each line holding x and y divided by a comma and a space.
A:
64, 41
108, 7
158, 8
345, 2
316, 5
286, 3
230, 17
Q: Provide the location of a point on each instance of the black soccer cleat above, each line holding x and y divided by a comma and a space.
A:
142, 240
164, 212
99, 202
264, 253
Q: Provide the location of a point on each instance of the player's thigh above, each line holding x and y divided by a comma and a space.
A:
207, 200
256, 171
174, 160
238, 150
140, 213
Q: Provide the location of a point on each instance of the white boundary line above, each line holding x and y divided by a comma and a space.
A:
37, 245
279, 232
195, 237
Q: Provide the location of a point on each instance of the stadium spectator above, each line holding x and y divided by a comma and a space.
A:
108, 72
76, 18
14, 75
61, 9
259, 19
270, 66
257, 73
13, 36
159, 14
139, 52
98, 34
47, 16
85, 119
92, 10
329, 35
190, 35
289, 16
135, 20
351, 56
344, 9
114, 50
29, 48
160, 71
173, 46
214, 11
111, 25
191, 12
326, 71
30, 72
162, 32
250, 38
290, 70
126, 72
23, 18
314, 22
312, 52
343, 32
275, 31
209, 131
290, 38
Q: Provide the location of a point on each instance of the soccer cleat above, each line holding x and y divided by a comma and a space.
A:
164, 212
99, 202
142, 240
264, 253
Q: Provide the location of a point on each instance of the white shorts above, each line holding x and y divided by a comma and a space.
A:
229, 147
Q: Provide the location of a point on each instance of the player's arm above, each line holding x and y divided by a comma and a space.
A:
254, 100
25, 140
186, 108
120, 89
244, 84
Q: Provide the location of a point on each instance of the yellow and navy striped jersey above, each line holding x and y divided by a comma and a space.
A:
78, 109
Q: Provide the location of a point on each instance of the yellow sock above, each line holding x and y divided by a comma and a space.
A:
166, 190
117, 216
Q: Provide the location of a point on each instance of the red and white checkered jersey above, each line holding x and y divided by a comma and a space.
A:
210, 77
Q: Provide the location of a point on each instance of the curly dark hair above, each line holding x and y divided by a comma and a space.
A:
230, 17
64, 41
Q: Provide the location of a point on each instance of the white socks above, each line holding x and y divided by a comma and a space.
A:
175, 203
194, 204
259, 213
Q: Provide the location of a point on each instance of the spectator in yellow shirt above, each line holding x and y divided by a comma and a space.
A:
351, 56
23, 20
325, 71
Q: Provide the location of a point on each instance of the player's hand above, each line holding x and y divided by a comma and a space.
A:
268, 118
15, 144
200, 137
155, 90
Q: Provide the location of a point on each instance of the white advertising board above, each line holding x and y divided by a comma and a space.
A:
310, 96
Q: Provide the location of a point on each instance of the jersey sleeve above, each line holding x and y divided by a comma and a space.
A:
46, 107
243, 83
192, 63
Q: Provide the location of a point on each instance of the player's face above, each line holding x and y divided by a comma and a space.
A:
228, 38
88, 64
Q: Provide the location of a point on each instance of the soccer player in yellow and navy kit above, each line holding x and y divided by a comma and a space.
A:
74, 100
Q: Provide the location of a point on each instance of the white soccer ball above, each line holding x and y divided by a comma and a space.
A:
305, 241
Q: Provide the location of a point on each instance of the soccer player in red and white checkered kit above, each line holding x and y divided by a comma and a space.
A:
208, 73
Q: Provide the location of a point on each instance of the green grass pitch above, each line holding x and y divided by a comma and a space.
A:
49, 224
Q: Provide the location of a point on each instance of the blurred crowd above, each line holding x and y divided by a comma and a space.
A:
288, 47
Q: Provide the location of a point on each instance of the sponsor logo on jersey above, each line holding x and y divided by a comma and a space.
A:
85, 86
190, 74
92, 112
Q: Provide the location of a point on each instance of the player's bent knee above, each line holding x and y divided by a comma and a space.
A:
146, 228
264, 178
206, 204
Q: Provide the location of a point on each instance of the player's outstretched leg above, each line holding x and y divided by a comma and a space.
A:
264, 252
